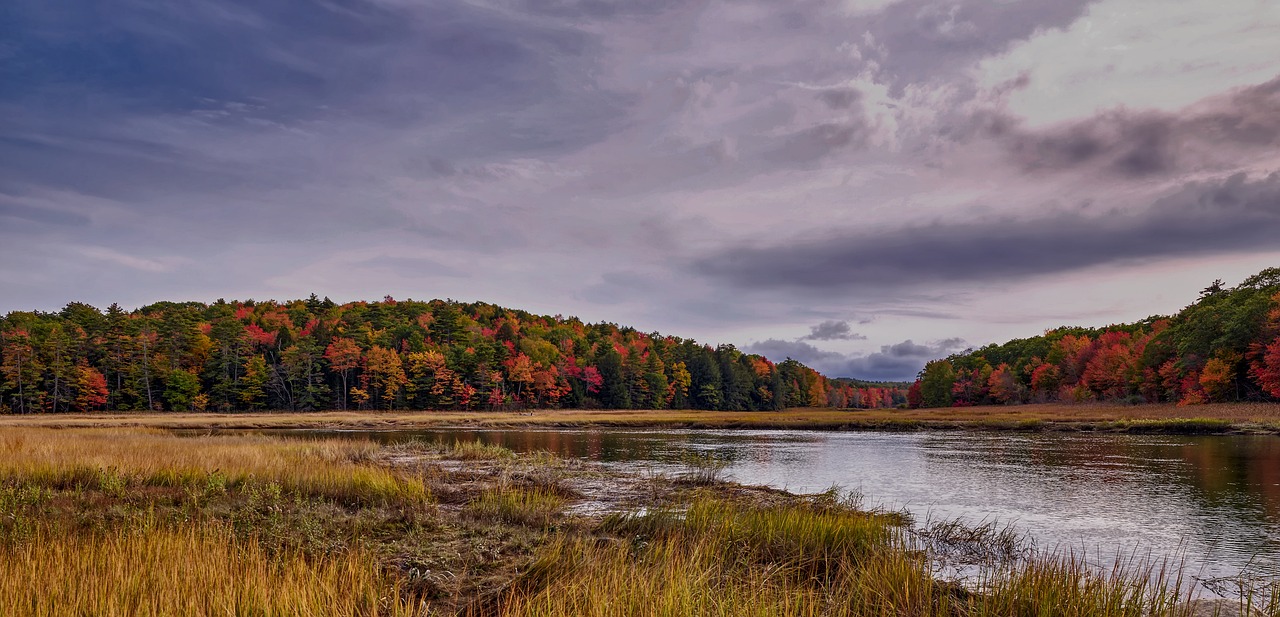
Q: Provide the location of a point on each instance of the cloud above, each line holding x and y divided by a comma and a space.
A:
1226, 215
1136, 54
832, 330
778, 350
921, 40
1212, 135
896, 362
587, 156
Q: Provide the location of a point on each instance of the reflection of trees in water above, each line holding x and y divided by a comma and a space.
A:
1226, 472
1227, 466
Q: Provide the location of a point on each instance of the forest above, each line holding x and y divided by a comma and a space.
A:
1223, 347
315, 354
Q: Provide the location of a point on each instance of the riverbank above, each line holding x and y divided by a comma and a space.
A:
147, 522
1223, 418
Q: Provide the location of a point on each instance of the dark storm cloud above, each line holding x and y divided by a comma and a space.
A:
1136, 144
1229, 215
832, 330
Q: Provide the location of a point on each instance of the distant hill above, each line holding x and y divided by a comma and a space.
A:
1223, 347
315, 354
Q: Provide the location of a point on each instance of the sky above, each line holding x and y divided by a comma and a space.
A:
862, 185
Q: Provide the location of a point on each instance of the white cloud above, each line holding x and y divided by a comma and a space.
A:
1140, 54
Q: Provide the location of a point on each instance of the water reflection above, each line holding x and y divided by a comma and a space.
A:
1214, 500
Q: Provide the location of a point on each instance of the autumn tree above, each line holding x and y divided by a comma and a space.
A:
344, 356
1266, 368
384, 375
1217, 378
1003, 385
91, 388
253, 385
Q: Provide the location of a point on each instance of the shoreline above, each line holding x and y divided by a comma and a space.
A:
433, 528
1221, 419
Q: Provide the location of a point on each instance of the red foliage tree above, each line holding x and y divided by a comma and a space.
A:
91, 388
1265, 369
914, 397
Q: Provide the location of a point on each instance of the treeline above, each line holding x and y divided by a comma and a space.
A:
314, 354
860, 394
1224, 347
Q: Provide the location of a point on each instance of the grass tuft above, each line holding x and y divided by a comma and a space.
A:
531, 507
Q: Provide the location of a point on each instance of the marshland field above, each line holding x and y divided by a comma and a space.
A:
228, 515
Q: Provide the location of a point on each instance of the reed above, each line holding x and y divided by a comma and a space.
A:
533, 507
477, 451
719, 558
189, 572
113, 460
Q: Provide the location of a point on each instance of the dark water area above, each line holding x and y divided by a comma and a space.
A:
1212, 502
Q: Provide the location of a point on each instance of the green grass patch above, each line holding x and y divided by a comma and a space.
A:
1178, 426
520, 506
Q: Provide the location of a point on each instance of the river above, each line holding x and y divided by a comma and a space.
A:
1211, 502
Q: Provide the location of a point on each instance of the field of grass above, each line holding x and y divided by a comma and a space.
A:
1216, 418
139, 521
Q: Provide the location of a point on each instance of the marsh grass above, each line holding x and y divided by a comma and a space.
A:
532, 507
814, 558
1181, 426
476, 451
140, 522
704, 468
190, 572
1259, 417
115, 460
986, 542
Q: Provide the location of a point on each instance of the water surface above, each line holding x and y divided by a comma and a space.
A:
1213, 501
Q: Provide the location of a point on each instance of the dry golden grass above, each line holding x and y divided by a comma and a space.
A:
1098, 415
720, 559
115, 459
185, 573
796, 557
